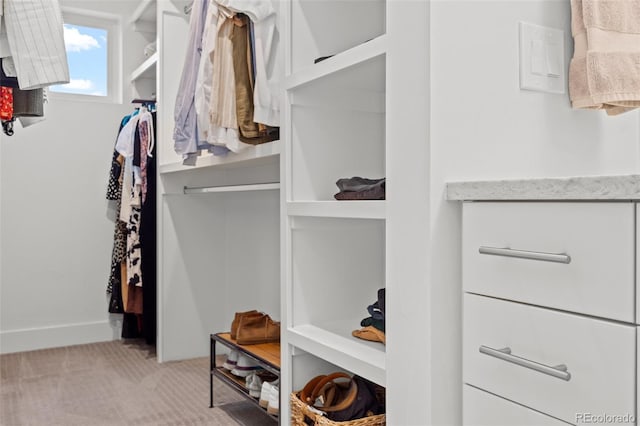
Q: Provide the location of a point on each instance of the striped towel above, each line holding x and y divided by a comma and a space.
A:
36, 40
605, 70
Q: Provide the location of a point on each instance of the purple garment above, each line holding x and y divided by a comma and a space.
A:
185, 133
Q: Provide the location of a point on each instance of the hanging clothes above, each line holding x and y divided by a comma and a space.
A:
249, 131
35, 41
132, 280
267, 62
223, 129
186, 135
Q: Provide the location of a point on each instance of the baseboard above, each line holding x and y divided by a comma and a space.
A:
56, 336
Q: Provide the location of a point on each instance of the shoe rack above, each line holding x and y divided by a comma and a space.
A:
266, 355
334, 251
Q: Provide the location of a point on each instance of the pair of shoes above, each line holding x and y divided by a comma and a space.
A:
270, 397
254, 385
245, 366
255, 329
236, 321
231, 361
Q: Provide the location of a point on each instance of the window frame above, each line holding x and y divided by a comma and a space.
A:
113, 26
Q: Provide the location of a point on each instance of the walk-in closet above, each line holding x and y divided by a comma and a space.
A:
319, 212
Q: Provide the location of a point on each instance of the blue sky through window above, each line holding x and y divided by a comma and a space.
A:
87, 55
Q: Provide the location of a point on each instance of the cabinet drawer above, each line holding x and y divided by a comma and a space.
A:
481, 408
598, 239
599, 356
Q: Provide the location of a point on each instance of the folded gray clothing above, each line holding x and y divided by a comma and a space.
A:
369, 194
359, 184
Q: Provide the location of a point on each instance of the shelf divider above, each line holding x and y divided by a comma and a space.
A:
338, 62
334, 343
356, 209
147, 65
233, 188
252, 156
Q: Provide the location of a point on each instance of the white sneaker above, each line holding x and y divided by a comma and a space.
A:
266, 391
245, 366
274, 401
254, 385
231, 361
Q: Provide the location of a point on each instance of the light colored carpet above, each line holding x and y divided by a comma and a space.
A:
113, 384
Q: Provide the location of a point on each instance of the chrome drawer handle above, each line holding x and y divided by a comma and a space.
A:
522, 254
559, 371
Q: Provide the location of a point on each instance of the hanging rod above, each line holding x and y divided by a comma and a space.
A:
232, 188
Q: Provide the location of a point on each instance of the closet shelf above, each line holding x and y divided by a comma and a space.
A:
144, 12
147, 69
361, 209
334, 343
266, 153
341, 61
233, 188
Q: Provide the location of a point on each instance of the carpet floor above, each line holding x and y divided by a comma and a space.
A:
116, 383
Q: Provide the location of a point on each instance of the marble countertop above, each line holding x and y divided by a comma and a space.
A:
623, 187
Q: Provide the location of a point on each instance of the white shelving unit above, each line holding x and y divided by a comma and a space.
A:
311, 261
334, 251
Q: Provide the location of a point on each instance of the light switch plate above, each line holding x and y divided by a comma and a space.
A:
542, 65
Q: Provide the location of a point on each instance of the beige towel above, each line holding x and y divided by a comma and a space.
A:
605, 70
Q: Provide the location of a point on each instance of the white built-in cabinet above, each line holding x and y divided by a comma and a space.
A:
334, 252
218, 220
550, 318
269, 235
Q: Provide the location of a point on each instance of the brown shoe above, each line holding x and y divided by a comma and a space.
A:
236, 321
253, 330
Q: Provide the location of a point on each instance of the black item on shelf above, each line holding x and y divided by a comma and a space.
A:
359, 188
7, 81
377, 323
321, 58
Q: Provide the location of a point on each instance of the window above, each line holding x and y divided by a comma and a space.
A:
92, 43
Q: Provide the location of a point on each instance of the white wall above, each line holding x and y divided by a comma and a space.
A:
484, 127
56, 237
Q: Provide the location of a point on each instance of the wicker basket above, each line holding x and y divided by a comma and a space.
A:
300, 411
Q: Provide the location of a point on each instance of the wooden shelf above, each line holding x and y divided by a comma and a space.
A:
268, 353
333, 342
147, 69
253, 156
339, 62
360, 209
